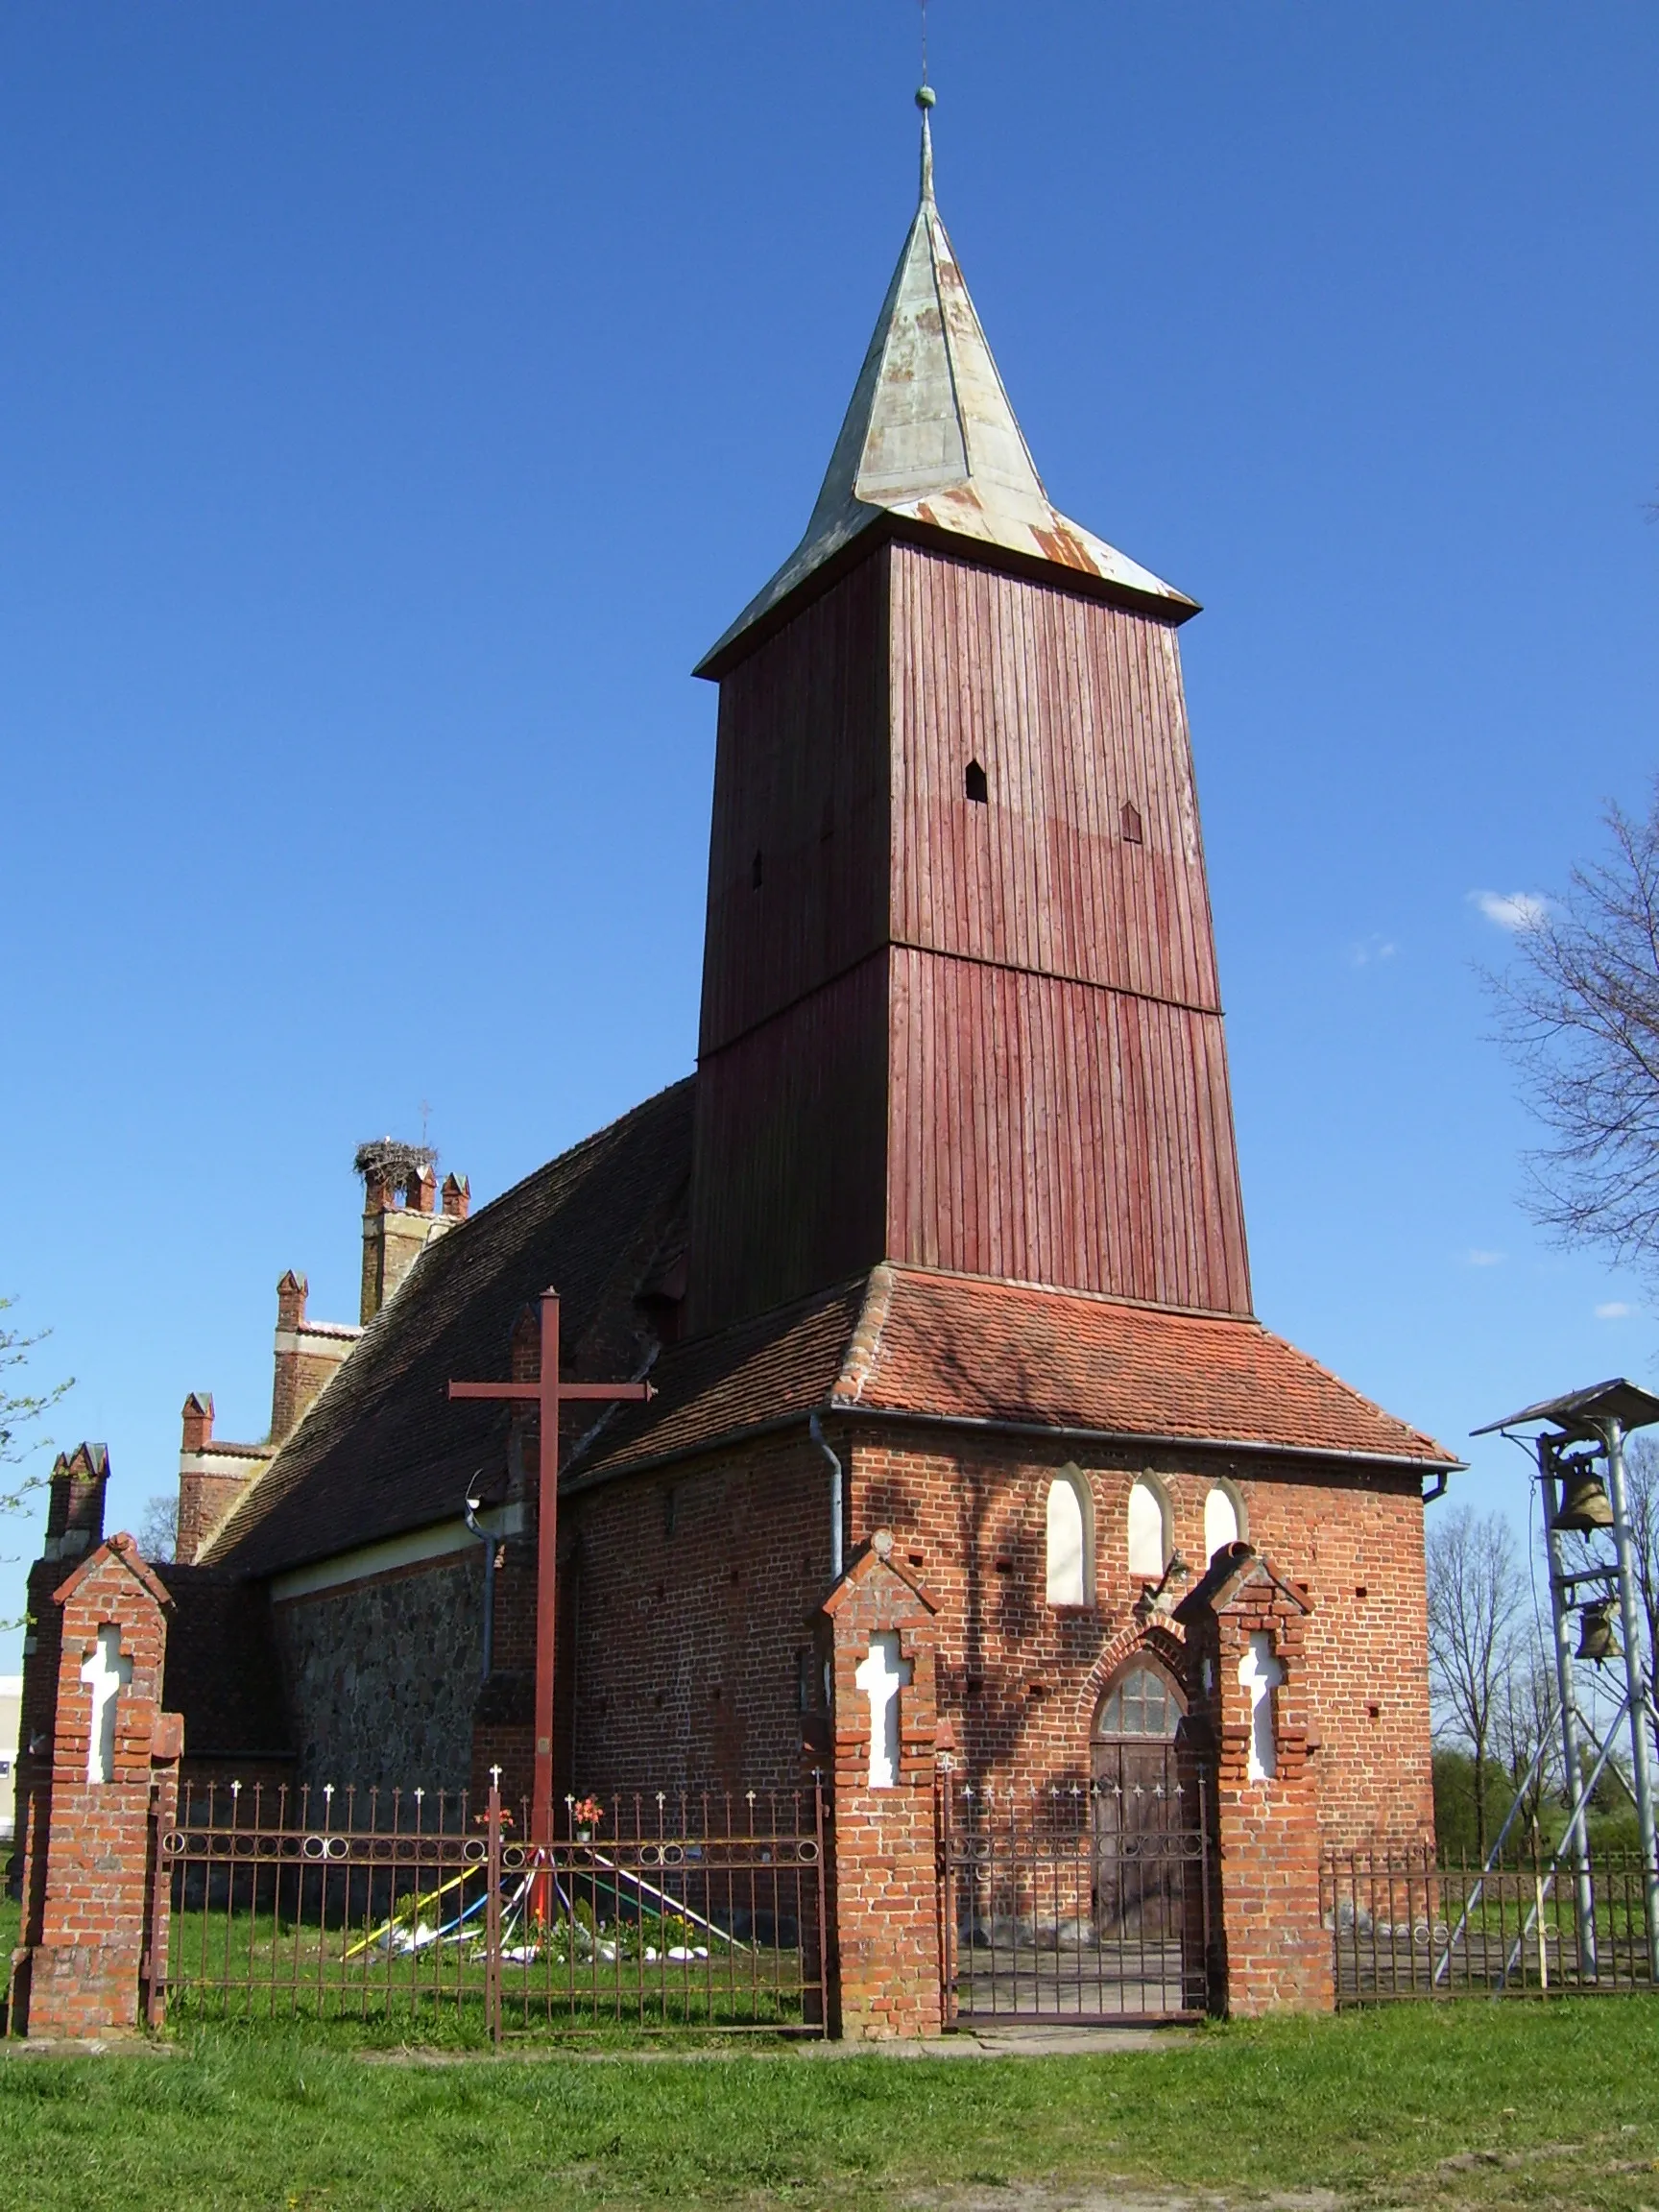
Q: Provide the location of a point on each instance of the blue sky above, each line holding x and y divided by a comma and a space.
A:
397, 402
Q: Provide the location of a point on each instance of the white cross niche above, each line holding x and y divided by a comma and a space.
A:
1261, 1673
881, 1676
106, 1672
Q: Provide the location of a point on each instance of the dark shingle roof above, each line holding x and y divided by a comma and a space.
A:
221, 1671
384, 1450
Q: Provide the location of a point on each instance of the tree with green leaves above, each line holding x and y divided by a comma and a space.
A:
21, 1412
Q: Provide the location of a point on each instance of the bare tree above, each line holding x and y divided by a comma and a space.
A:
159, 1530
1579, 1017
1474, 1605
1525, 1721
20, 1412
1642, 1500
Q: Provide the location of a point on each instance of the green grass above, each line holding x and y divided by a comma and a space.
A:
1534, 2105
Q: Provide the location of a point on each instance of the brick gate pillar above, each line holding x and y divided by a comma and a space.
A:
884, 1861
1244, 1627
87, 1851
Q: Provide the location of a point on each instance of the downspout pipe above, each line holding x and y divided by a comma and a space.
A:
837, 1544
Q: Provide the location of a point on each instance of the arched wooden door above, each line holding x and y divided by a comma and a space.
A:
1140, 1807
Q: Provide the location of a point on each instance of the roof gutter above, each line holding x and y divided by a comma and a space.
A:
1137, 1438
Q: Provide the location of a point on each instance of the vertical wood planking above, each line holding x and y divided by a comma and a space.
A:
802, 748
790, 1151
983, 1037
1072, 708
1059, 1099
1053, 1132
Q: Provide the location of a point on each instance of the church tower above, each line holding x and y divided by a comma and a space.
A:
960, 1007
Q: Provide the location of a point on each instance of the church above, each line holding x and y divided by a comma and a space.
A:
941, 1247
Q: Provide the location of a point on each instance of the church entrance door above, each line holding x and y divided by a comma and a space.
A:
1087, 1903
1142, 1811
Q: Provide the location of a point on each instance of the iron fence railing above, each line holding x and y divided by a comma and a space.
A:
1057, 1908
667, 1910
1417, 1923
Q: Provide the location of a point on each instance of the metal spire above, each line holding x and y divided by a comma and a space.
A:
930, 440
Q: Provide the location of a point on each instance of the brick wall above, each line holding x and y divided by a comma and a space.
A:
75, 1498
697, 1590
1272, 1952
884, 1895
87, 1876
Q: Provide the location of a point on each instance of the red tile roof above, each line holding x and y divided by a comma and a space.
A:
962, 1348
984, 1351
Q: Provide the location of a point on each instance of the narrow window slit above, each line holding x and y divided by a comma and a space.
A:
975, 785
757, 871
1133, 833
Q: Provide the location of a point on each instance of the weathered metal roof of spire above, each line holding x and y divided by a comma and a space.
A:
929, 436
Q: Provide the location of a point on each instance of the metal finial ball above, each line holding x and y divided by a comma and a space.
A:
925, 97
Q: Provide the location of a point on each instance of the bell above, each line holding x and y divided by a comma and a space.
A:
1584, 1504
1595, 1638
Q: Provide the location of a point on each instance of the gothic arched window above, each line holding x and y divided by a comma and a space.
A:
1148, 1530
1070, 1531
1223, 1519
1141, 1703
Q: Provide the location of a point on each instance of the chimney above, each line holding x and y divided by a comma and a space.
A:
197, 1417
457, 1197
291, 1295
394, 1234
308, 1356
74, 1500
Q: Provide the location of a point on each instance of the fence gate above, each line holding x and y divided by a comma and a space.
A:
661, 1911
1079, 1903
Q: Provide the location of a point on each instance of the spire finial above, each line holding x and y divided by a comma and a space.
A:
925, 101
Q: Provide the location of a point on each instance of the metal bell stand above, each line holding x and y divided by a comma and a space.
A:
1581, 1471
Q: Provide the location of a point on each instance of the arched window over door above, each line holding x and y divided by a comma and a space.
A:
1142, 1704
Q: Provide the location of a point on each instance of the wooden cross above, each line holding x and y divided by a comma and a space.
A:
549, 1394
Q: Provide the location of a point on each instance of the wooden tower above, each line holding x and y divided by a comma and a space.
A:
960, 1005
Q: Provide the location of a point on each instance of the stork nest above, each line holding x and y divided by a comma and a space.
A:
385, 1161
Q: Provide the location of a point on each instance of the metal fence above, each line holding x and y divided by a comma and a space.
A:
1059, 1909
668, 1910
1409, 1924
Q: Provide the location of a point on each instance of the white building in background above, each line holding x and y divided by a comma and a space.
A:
10, 1715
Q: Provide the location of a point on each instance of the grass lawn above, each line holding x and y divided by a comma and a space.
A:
1472, 2103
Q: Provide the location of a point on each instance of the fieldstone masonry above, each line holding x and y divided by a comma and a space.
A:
383, 1676
885, 1913
1246, 1637
114, 1754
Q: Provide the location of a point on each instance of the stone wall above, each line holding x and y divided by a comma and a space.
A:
382, 1677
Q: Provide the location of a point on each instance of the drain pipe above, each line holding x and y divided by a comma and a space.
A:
488, 1543
837, 1549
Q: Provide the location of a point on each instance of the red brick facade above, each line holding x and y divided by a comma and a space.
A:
885, 1913
87, 1875
1273, 1954
696, 1584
